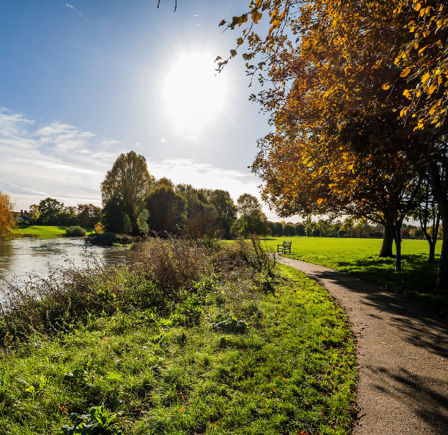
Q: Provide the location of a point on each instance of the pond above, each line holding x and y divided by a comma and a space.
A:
20, 258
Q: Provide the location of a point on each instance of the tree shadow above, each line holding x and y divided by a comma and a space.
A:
420, 325
426, 397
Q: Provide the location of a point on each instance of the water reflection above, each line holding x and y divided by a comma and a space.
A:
20, 258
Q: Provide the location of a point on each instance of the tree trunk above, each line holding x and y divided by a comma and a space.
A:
388, 241
432, 250
442, 200
398, 255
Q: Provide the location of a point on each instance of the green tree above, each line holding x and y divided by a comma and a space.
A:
88, 215
288, 230
112, 216
127, 225
226, 210
50, 209
129, 183
272, 228
300, 229
142, 223
167, 208
251, 217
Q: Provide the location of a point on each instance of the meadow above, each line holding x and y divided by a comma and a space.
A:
359, 257
41, 231
192, 338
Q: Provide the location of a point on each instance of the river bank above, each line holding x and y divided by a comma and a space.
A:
189, 338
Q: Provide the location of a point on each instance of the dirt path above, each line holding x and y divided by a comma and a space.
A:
402, 353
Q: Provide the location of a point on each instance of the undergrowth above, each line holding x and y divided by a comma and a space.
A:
194, 338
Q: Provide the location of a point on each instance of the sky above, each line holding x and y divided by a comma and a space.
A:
84, 81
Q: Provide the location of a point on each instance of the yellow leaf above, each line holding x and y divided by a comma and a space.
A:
425, 78
406, 72
417, 6
432, 88
386, 86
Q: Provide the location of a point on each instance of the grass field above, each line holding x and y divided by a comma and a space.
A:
359, 257
41, 231
289, 370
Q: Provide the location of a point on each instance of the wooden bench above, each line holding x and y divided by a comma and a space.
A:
285, 248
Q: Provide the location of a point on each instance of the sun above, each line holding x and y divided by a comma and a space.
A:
194, 95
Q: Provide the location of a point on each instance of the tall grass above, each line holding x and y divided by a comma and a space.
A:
162, 275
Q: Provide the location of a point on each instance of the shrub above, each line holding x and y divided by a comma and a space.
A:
405, 234
165, 273
376, 234
108, 239
416, 233
75, 232
99, 228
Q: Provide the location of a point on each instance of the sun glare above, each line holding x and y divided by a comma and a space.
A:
194, 95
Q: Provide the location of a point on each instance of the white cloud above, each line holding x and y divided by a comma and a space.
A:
63, 162
53, 159
163, 140
72, 7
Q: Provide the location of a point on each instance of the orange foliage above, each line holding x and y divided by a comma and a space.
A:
7, 221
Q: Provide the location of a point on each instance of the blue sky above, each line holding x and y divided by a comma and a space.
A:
83, 81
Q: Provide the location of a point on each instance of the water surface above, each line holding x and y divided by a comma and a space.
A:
20, 258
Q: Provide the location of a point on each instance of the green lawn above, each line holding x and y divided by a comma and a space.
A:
291, 370
41, 231
359, 257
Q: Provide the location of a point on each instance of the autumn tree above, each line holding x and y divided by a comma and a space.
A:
338, 144
7, 221
128, 184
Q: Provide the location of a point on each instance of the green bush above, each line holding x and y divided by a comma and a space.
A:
75, 232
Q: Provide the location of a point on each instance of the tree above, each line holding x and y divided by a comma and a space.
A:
167, 208
426, 213
88, 215
7, 221
288, 230
279, 226
300, 230
338, 146
424, 62
272, 228
34, 213
50, 209
127, 225
129, 183
142, 223
225, 209
251, 217
112, 216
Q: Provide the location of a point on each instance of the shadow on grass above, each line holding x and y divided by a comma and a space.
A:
424, 394
417, 278
421, 326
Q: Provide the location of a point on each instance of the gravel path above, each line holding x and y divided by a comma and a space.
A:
402, 356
